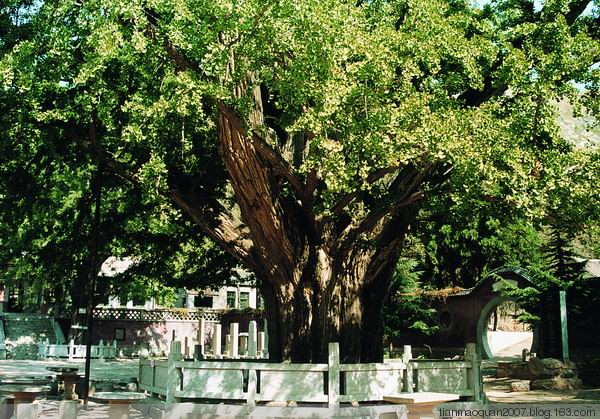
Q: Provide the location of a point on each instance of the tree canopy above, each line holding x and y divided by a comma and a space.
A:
302, 138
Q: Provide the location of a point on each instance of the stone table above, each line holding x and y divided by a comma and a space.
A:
24, 395
118, 402
420, 405
35, 381
69, 376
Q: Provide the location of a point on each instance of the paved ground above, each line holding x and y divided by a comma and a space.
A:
506, 344
515, 345
498, 390
113, 370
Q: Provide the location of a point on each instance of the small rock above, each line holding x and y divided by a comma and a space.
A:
519, 386
132, 387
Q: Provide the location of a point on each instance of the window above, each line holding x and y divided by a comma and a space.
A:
445, 319
244, 299
119, 333
231, 299
203, 302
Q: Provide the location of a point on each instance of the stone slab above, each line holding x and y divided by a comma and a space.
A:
418, 398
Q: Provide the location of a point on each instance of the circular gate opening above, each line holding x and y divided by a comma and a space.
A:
506, 335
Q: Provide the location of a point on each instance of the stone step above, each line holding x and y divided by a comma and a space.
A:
24, 331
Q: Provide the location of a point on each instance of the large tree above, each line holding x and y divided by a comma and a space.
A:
302, 136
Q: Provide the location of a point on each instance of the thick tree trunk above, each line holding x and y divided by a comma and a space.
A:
334, 303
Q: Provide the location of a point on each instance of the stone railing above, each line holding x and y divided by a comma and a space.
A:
72, 351
332, 383
155, 315
2, 338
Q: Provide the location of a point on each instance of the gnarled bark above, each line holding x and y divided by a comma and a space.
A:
321, 283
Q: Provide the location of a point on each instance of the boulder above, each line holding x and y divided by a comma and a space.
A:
536, 369
556, 383
501, 373
552, 364
519, 386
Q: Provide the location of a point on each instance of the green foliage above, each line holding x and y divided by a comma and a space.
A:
407, 308
378, 85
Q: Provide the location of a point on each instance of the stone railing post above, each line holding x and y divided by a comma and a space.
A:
333, 375
202, 336
252, 379
261, 344
71, 349
407, 382
252, 344
227, 346
265, 347
101, 350
43, 348
234, 330
173, 379
474, 380
186, 348
216, 340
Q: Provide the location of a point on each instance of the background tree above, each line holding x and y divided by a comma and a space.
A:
302, 137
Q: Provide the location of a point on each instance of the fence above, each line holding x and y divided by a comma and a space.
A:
156, 315
331, 383
72, 351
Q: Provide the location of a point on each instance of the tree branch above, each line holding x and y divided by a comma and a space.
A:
218, 223
347, 199
576, 8
280, 166
214, 219
277, 239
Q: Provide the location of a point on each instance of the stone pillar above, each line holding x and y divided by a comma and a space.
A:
265, 350
243, 338
186, 348
3, 292
474, 379
252, 381
261, 344
234, 330
173, 379
71, 349
333, 380
43, 348
252, 344
67, 409
101, 350
216, 340
228, 351
26, 410
202, 335
407, 380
